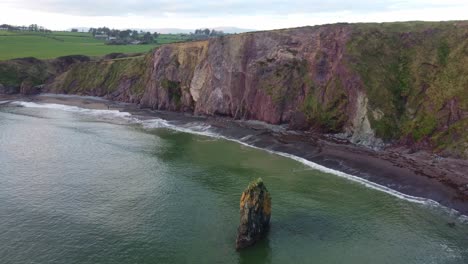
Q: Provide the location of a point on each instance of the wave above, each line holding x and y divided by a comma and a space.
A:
75, 109
192, 127
94, 98
199, 128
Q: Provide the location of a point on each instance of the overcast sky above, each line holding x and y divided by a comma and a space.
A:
251, 14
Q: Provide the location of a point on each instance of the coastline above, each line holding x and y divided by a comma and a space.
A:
420, 174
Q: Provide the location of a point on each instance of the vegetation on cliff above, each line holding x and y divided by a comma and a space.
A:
106, 77
33, 71
416, 79
14, 72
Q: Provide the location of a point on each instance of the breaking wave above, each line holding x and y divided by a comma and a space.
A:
75, 109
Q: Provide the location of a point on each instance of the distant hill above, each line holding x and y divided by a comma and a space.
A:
232, 30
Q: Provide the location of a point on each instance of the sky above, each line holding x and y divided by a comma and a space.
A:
249, 14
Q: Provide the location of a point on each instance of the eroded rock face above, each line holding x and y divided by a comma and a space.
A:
255, 213
27, 88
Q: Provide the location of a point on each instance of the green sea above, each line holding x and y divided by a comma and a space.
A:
99, 186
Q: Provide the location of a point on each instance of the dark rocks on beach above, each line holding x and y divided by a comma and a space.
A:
255, 213
27, 88
5, 89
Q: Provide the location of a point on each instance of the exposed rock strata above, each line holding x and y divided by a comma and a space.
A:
255, 213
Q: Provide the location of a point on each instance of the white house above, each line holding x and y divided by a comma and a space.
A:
101, 36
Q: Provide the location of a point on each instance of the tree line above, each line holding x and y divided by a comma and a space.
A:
32, 28
124, 36
209, 33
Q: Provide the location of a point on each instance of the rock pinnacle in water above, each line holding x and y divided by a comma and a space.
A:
255, 213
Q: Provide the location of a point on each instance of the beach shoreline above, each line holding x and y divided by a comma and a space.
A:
418, 174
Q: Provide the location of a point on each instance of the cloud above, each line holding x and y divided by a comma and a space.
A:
202, 8
252, 14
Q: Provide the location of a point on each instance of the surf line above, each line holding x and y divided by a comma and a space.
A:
162, 123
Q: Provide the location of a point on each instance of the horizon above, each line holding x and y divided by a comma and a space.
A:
160, 14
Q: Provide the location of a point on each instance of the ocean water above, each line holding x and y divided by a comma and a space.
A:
101, 186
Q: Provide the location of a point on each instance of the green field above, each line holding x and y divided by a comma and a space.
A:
56, 44
170, 38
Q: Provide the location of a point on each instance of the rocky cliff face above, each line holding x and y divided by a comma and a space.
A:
400, 82
295, 76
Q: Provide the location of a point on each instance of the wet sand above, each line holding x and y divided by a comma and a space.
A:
420, 174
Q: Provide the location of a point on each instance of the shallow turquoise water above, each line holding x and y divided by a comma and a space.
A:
85, 188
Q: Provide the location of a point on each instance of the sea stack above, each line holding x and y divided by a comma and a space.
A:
255, 212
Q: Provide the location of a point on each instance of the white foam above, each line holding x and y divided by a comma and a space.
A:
4, 102
95, 98
192, 128
154, 123
75, 109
